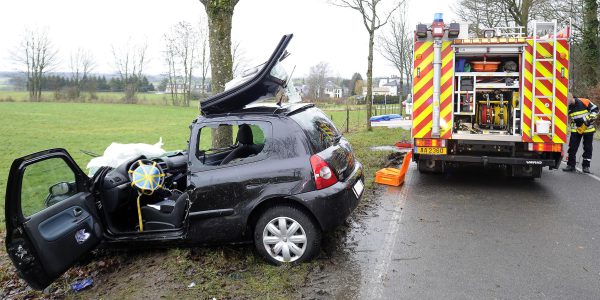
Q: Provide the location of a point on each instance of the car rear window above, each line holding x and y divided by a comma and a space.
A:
319, 128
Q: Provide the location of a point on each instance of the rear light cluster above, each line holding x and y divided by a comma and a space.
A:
544, 147
430, 142
324, 176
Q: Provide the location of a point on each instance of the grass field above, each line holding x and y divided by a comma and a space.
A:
101, 97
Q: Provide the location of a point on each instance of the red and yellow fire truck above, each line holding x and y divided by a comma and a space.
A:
500, 99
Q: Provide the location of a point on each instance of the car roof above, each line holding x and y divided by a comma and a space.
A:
265, 109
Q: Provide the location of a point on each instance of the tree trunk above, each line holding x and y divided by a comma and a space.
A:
591, 51
220, 15
370, 79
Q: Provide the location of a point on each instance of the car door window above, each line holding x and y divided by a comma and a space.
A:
46, 183
247, 143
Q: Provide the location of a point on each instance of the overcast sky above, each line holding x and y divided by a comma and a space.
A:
322, 32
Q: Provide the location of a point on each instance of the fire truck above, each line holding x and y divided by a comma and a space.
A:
498, 99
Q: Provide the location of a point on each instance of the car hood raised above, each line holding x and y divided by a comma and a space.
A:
259, 86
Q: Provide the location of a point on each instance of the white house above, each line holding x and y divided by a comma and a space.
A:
388, 86
332, 90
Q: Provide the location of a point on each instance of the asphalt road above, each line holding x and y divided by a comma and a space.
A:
476, 234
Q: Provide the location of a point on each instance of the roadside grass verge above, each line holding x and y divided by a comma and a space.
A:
220, 272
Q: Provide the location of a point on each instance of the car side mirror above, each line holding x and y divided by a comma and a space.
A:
59, 189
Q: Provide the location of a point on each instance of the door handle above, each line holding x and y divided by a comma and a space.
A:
77, 211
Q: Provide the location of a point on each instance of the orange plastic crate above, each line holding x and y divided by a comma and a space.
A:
389, 176
392, 176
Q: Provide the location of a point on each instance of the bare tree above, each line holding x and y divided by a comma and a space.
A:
36, 55
81, 64
238, 54
522, 11
481, 14
171, 60
562, 10
372, 21
316, 79
203, 57
130, 62
396, 45
181, 52
220, 16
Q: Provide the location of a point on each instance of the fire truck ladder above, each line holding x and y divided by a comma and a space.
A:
546, 28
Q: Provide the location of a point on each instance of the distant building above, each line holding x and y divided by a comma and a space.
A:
333, 90
387, 86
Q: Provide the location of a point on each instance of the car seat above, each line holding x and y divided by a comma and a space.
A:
245, 146
167, 214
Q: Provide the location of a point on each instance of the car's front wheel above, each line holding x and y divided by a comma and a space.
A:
285, 234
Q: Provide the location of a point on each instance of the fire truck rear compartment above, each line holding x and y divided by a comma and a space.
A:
487, 96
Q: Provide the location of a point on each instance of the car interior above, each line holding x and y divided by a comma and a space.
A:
166, 207
163, 209
249, 142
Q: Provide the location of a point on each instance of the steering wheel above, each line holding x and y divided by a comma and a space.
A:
146, 176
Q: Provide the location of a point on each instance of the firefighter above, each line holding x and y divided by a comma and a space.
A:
583, 114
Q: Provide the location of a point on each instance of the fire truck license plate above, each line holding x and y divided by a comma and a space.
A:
431, 150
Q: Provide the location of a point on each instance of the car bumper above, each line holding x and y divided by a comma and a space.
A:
331, 206
485, 160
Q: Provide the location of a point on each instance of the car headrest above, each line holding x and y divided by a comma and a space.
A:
244, 135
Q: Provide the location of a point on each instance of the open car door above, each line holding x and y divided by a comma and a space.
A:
51, 217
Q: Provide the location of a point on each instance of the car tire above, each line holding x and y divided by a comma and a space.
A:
295, 247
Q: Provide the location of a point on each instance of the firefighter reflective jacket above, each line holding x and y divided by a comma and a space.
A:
583, 111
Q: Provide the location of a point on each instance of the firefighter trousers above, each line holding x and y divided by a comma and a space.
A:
574, 141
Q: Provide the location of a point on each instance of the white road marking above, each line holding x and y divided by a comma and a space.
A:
374, 288
588, 174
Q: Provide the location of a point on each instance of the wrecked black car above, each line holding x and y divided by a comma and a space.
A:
287, 175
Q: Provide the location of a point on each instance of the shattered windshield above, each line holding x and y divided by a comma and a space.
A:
280, 74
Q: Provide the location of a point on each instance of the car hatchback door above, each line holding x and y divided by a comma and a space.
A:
50, 216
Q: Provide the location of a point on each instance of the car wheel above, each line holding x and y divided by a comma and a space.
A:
285, 234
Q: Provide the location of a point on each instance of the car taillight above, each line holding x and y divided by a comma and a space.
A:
324, 176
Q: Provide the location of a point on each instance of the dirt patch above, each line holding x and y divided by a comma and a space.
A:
227, 272
394, 159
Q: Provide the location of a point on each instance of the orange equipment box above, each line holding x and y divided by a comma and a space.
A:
392, 176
